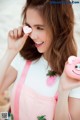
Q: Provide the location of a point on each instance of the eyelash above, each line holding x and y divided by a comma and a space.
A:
39, 28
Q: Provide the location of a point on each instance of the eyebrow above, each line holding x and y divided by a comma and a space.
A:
39, 25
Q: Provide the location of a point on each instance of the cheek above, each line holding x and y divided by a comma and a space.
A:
42, 36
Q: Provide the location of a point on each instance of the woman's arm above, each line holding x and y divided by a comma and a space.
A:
67, 108
62, 109
74, 108
5, 63
7, 73
16, 40
9, 78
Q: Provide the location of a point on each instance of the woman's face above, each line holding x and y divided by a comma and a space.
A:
40, 34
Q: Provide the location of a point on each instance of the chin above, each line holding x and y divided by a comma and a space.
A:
40, 51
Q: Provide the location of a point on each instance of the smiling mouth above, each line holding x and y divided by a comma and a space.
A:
75, 73
38, 44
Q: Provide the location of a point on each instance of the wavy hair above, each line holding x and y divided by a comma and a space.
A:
60, 18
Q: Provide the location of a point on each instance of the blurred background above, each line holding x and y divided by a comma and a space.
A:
10, 17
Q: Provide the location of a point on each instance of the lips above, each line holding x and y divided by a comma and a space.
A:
38, 44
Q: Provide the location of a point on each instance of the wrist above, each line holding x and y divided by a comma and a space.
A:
8, 56
11, 52
63, 94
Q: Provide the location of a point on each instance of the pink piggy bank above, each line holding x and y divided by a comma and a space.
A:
72, 67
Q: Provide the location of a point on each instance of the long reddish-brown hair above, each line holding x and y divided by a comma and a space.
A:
60, 19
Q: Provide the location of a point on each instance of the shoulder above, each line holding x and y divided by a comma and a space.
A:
18, 62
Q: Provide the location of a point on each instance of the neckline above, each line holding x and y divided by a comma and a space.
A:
44, 60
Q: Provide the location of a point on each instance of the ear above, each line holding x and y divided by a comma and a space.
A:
71, 59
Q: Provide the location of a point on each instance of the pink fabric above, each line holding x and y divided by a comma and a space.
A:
51, 80
28, 104
18, 91
36, 105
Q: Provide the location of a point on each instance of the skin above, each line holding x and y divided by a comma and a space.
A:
16, 40
40, 31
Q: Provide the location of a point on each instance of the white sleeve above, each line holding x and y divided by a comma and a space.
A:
75, 93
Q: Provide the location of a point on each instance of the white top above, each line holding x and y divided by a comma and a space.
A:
36, 77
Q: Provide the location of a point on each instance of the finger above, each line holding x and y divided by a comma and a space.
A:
11, 34
15, 31
20, 33
24, 38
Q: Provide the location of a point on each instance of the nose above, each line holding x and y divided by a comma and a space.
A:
33, 35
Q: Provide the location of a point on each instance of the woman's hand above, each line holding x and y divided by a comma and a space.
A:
68, 83
70, 77
16, 39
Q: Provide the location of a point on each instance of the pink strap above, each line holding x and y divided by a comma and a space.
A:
18, 90
69, 116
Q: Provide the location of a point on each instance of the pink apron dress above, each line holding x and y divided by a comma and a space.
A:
26, 104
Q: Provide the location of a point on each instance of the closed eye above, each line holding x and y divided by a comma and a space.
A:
40, 28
